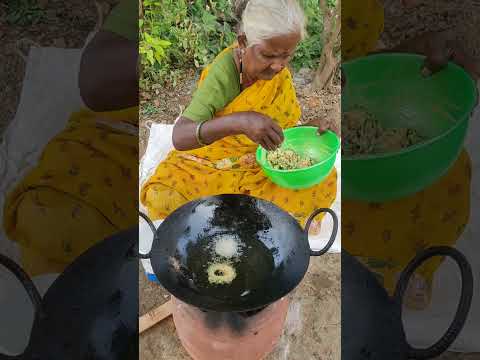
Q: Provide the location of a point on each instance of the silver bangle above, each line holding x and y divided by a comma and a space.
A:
197, 134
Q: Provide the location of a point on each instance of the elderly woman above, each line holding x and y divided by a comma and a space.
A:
387, 236
245, 98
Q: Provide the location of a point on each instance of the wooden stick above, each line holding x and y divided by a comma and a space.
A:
155, 316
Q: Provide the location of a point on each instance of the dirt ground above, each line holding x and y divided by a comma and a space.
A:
462, 16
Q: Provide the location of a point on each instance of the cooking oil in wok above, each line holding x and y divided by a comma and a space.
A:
246, 268
225, 249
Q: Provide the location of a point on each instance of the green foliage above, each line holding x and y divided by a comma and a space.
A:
148, 109
187, 34
183, 34
152, 49
24, 12
309, 51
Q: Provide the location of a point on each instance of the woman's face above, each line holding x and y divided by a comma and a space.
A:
269, 57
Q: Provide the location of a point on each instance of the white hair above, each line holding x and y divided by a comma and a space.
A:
265, 19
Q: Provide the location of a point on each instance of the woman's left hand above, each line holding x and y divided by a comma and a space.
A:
325, 125
442, 48
435, 46
439, 48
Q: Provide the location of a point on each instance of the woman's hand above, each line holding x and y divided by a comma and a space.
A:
439, 49
257, 127
324, 125
435, 46
261, 129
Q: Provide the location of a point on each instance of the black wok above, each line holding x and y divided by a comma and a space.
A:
273, 255
91, 309
372, 321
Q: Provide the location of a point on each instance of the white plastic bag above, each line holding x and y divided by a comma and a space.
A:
40, 116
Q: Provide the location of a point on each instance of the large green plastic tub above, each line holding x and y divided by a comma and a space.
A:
392, 88
305, 141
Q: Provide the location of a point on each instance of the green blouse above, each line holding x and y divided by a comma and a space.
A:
218, 89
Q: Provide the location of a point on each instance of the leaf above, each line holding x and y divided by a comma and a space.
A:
159, 50
150, 57
164, 43
148, 37
158, 57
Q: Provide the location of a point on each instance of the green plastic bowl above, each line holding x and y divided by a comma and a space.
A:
305, 140
391, 87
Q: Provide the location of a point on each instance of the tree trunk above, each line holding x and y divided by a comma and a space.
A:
329, 62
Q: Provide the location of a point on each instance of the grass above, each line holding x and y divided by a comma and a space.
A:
24, 12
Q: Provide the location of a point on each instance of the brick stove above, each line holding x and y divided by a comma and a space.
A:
208, 335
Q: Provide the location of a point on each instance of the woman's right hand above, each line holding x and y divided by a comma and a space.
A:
261, 129
257, 127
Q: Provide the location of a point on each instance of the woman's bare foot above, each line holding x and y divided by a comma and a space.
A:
418, 294
315, 228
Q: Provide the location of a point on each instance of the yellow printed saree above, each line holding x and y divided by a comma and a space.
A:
83, 189
229, 165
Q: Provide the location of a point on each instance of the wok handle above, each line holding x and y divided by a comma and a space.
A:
463, 307
334, 230
154, 231
31, 290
